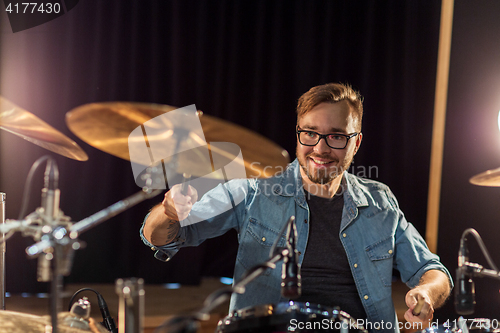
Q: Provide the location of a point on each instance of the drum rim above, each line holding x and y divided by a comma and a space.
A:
251, 313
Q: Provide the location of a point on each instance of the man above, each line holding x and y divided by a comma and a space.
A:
351, 232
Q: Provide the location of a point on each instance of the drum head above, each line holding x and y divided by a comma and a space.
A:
288, 317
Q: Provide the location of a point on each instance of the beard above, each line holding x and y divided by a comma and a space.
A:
323, 176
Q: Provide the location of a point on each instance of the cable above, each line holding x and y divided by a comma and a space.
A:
479, 240
28, 184
108, 321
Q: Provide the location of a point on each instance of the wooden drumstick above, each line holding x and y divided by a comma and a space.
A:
185, 183
418, 308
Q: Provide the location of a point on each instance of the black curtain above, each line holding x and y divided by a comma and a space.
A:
242, 61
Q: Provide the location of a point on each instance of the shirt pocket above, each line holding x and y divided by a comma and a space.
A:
381, 254
256, 244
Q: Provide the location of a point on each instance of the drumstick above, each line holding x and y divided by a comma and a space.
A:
418, 308
185, 183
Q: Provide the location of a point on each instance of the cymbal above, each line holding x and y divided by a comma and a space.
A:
17, 322
487, 178
22, 123
107, 126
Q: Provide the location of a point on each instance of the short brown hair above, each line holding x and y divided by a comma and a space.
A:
331, 93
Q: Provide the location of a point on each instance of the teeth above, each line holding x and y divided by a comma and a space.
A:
319, 162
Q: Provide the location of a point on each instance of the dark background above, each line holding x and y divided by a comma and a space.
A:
248, 62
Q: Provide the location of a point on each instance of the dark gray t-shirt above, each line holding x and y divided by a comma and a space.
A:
326, 277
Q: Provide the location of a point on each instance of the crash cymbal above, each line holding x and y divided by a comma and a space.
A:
487, 178
22, 123
107, 126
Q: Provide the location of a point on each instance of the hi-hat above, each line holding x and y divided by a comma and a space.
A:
107, 126
22, 123
487, 178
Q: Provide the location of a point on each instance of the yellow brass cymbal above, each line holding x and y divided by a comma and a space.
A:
22, 123
17, 322
108, 125
487, 178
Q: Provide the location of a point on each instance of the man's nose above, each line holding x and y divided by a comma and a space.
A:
322, 147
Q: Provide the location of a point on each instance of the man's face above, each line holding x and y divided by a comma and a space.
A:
322, 164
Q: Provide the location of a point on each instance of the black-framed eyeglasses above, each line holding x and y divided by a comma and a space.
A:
333, 140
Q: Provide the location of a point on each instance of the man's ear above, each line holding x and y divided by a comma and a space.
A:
359, 138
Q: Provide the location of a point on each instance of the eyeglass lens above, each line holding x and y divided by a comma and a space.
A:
332, 140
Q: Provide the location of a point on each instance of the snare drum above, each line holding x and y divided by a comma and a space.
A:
288, 317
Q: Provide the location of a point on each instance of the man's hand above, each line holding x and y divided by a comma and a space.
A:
420, 308
430, 294
176, 205
162, 225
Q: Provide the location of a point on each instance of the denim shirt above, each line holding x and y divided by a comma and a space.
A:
374, 232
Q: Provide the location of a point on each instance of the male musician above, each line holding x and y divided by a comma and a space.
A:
351, 232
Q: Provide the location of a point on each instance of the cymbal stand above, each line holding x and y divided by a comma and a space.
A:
131, 305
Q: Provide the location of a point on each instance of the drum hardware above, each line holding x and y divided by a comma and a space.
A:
108, 321
26, 125
57, 236
188, 323
289, 317
130, 305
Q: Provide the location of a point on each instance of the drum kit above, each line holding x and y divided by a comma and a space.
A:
107, 126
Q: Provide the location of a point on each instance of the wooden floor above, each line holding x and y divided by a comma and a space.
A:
161, 304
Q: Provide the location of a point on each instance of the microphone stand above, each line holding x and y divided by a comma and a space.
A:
184, 324
62, 242
476, 270
469, 269
57, 236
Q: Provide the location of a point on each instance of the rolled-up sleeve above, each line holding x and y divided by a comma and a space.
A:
413, 256
164, 252
218, 211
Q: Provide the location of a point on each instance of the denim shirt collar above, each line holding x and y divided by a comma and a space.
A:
291, 175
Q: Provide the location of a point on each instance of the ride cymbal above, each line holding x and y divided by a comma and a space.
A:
22, 123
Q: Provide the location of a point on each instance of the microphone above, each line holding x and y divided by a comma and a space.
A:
108, 321
465, 299
50, 192
50, 206
290, 277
